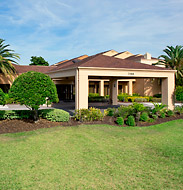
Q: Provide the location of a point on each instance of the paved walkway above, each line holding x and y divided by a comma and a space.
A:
70, 106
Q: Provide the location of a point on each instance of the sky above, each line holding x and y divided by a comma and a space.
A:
64, 29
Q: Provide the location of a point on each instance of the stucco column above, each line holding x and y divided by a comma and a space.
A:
168, 87
126, 88
130, 86
101, 88
81, 90
113, 91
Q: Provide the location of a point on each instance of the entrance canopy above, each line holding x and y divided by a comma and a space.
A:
106, 67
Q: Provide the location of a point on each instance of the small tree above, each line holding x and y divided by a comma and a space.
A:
38, 61
33, 89
2, 98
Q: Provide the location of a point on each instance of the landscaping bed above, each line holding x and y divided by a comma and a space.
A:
15, 125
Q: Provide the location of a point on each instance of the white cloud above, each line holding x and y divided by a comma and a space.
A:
64, 29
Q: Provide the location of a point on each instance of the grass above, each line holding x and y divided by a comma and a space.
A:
93, 157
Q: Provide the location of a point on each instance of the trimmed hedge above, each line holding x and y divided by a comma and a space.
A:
49, 114
95, 97
55, 115
15, 114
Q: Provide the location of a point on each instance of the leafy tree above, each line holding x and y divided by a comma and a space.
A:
7, 57
33, 89
2, 98
173, 60
38, 61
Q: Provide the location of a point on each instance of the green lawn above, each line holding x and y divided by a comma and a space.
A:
93, 157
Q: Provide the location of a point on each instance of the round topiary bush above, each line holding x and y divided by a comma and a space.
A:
120, 121
33, 89
130, 121
55, 115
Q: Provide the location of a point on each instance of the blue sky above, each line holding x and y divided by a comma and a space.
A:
63, 29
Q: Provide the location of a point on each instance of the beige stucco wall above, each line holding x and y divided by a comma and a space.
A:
147, 87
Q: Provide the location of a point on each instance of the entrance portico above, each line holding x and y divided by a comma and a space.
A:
83, 74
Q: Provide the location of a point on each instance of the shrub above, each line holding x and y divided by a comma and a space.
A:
91, 95
97, 99
150, 98
156, 99
8, 99
107, 97
162, 115
154, 116
106, 112
179, 109
179, 93
120, 121
55, 115
33, 89
88, 115
130, 121
136, 94
124, 111
50, 114
138, 107
151, 120
82, 115
110, 111
170, 113
144, 117
15, 114
157, 108
157, 95
138, 99
2, 98
123, 97
95, 114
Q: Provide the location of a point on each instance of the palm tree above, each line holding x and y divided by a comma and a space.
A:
7, 57
173, 60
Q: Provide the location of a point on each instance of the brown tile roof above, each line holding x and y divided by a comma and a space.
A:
106, 62
24, 68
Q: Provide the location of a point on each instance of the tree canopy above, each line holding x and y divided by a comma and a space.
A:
38, 61
174, 60
7, 57
33, 89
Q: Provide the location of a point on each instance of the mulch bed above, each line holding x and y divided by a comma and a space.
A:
14, 126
